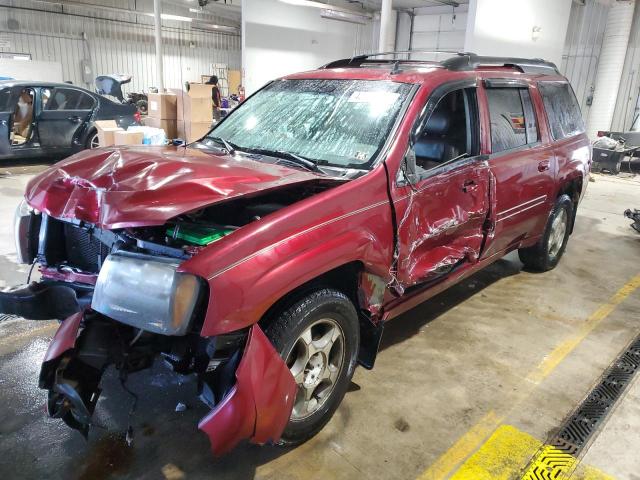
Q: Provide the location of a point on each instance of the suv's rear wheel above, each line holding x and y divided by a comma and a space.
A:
318, 337
546, 254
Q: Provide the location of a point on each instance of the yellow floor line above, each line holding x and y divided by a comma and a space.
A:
475, 436
464, 447
503, 455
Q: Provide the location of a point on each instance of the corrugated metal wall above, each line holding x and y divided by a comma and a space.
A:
118, 43
628, 104
582, 49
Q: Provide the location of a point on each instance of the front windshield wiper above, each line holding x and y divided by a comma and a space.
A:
290, 157
229, 147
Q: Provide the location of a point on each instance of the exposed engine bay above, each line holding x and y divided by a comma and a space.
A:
88, 275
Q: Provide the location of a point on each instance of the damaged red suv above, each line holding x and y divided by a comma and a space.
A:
267, 257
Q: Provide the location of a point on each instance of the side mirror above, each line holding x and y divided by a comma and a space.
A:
407, 173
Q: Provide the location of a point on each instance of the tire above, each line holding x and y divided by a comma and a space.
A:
322, 374
92, 140
546, 254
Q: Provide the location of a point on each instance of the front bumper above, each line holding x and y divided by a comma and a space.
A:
256, 407
42, 301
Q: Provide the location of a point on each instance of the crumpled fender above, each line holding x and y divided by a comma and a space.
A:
65, 337
258, 407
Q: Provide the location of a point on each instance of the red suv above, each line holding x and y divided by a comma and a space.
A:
267, 257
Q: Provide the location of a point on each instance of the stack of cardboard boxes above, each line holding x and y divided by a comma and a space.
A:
194, 113
162, 113
109, 133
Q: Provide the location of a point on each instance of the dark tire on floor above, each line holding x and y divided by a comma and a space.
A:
322, 374
546, 254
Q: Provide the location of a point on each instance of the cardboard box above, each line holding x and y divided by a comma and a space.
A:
199, 90
235, 80
128, 138
192, 131
195, 105
106, 130
169, 126
162, 106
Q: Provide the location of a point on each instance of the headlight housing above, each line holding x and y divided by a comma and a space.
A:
26, 227
146, 292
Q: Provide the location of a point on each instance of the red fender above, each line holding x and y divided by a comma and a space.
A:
65, 337
259, 405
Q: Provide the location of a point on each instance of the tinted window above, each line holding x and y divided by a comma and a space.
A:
5, 97
68, 99
513, 122
562, 109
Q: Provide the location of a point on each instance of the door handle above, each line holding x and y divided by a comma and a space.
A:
74, 119
544, 165
469, 186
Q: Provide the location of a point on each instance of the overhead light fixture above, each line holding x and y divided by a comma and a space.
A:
344, 16
168, 16
325, 6
211, 27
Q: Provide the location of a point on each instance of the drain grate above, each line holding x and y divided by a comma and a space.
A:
589, 415
4, 317
558, 456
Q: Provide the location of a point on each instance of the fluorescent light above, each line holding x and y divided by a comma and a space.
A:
168, 16
343, 16
211, 27
334, 8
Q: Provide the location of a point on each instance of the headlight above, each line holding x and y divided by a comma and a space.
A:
26, 226
146, 292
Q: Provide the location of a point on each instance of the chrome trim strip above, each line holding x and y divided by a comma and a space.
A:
520, 211
541, 197
310, 229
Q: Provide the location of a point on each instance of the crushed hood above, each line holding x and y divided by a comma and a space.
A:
144, 186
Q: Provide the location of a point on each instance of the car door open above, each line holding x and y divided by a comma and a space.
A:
443, 201
64, 112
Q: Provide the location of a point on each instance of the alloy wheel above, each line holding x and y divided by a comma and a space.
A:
316, 361
95, 141
558, 231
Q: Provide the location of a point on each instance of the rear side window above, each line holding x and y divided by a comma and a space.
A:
67, 99
513, 122
562, 109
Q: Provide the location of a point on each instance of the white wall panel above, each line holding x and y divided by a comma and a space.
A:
438, 28
124, 45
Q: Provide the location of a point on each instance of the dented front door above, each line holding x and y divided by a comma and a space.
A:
441, 221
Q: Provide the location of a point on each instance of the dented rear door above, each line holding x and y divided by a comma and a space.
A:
441, 220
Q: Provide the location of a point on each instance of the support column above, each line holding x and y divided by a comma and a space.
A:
610, 66
387, 27
158, 34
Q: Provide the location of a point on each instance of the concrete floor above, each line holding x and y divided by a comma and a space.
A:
504, 348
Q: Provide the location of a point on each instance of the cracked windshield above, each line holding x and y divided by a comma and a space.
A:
331, 122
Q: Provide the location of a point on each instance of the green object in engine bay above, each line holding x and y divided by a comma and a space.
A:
197, 234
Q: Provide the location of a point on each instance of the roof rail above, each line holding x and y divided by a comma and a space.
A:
358, 60
470, 61
459, 61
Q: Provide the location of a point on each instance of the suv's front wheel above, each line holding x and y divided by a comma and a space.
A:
318, 337
546, 254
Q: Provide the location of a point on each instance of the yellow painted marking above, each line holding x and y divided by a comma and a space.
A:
558, 354
504, 453
464, 447
474, 437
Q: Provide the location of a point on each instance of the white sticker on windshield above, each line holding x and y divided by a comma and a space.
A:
386, 98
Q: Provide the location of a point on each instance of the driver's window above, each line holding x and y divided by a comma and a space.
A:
450, 132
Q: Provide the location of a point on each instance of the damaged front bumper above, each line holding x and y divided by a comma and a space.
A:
42, 301
251, 391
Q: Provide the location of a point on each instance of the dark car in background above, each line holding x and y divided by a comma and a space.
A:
54, 119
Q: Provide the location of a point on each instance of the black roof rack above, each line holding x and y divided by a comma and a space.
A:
459, 61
